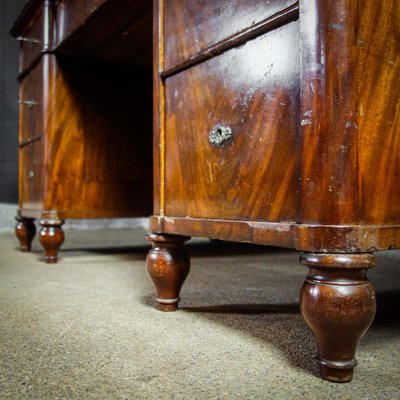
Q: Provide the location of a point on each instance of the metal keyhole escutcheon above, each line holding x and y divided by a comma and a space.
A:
219, 135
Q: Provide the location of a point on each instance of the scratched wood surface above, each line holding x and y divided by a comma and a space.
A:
350, 99
192, 26
303, 237
377, 79
238, 89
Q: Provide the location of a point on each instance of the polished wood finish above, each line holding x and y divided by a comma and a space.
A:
168, 265
378, 58
85, 110
303, 237
349, 112
311, 94
25, 230
317, 211
240, 90
158, 110
192, 27
338, 304
51, 237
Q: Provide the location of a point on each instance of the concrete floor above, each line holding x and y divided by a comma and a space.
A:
87, 328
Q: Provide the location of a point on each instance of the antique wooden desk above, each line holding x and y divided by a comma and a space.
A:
85, 114
277, 122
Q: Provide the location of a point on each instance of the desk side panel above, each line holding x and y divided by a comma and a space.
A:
328, 113
350, 114
378, 115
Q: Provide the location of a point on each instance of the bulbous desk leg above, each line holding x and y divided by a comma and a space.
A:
338, 304
25, 231
51, 237
168, 265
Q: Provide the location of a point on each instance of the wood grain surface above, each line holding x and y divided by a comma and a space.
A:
338, 303
377, 83
332, 159
312, 107
350, 112
99, 151
85, 124
254, 91
303, 237
158, 110
192, 26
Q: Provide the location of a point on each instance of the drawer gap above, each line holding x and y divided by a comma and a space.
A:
30, 141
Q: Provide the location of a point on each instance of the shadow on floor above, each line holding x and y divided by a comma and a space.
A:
201, 249
246, 309
104, 250
278, 324
198, 249
387, 307
281, 323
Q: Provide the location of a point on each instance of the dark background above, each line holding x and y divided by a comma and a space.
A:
9, 10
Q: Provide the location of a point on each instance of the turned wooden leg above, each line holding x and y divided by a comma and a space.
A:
51, 237
25, 231
338, 304
168, 265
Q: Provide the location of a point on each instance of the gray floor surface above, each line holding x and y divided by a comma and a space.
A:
87, 328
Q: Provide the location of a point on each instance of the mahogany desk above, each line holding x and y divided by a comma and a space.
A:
275, 122
278, 123
85, 114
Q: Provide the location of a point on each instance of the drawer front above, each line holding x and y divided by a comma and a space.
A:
32, 40
31, 106
191, 26
31, 181
253, 90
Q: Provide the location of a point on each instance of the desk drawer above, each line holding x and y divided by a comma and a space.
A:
31, 180
31, 105
191, 26
32, 40
253, 90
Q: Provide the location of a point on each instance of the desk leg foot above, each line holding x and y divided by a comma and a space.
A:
25, 231
338, 304
168, 265
51, 237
